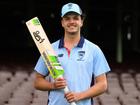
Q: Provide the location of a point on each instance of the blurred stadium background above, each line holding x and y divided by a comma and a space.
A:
114, 25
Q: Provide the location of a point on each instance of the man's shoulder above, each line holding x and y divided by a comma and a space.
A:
56, 43
90, 44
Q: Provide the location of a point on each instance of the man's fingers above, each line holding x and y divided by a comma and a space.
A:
59, 83
70, 97
59, 79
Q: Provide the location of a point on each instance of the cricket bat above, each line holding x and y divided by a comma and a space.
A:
45, 48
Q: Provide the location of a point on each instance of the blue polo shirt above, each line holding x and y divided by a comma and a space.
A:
86, 60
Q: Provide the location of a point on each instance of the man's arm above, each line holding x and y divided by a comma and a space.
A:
98, 88
42, 84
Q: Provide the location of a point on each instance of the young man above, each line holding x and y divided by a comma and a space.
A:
82, 61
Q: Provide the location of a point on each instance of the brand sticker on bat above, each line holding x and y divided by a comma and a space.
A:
38, 37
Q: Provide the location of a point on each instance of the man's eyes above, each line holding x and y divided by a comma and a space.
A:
74, 18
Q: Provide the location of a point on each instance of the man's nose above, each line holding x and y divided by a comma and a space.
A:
71, 20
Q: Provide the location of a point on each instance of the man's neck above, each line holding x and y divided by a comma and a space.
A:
71, 40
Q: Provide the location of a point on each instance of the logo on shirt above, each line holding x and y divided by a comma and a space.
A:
81, 55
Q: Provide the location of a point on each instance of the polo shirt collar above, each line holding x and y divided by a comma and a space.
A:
80, 44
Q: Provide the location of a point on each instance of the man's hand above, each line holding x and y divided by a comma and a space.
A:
59, 83
72, 97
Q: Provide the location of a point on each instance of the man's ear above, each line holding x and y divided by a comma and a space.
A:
62, 22
82, 22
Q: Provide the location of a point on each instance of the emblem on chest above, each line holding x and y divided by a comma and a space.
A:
81, 55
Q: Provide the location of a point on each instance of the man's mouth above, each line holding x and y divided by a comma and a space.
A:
71, 27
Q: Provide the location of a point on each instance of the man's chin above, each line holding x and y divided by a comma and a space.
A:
72, 33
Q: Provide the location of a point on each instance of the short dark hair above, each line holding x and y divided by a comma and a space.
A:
83, 16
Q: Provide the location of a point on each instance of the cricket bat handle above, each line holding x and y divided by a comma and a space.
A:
67, 90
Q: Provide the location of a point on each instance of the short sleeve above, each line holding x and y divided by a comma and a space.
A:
100, 63
41, 67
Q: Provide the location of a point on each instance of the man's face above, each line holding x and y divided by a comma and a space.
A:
72, 23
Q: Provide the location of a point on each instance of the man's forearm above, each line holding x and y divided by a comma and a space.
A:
42, 84
96, 90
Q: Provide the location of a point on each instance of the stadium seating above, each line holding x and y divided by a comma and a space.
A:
16, 88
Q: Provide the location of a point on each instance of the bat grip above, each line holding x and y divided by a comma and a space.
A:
67, 90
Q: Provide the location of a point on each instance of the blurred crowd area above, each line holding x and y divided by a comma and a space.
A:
16, 88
